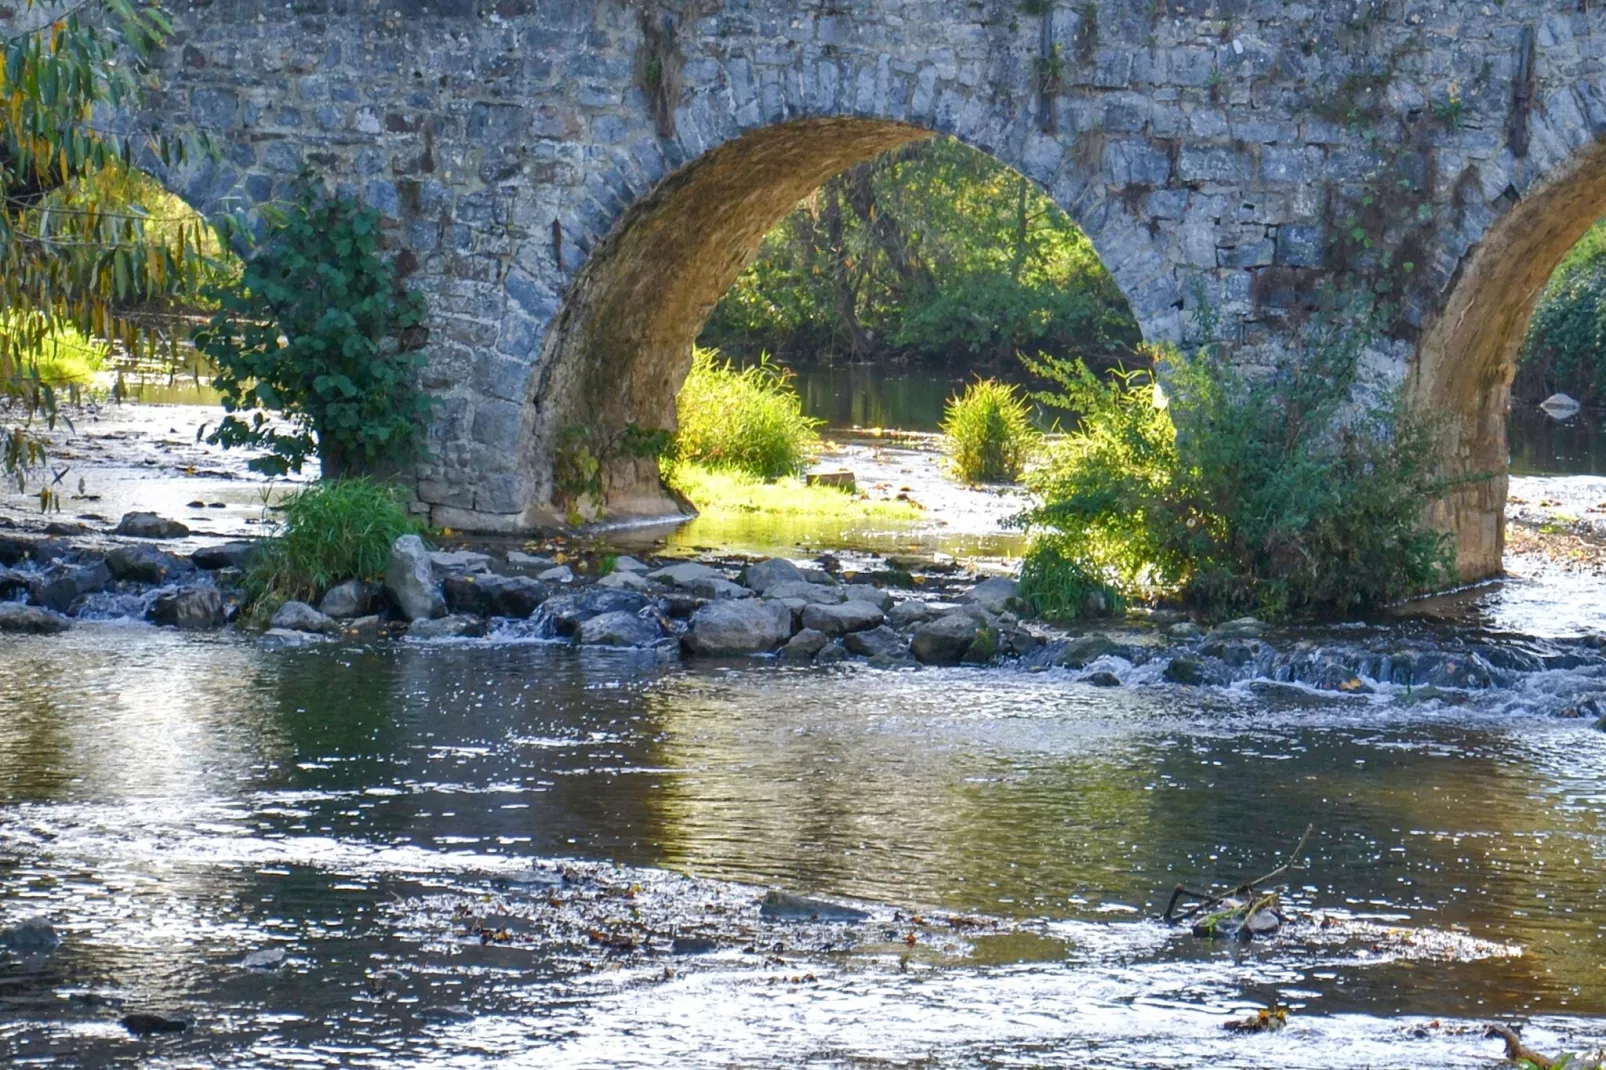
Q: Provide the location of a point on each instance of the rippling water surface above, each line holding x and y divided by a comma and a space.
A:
176, 803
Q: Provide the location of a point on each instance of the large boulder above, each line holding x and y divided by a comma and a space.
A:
225, 555
909, 611
410, 579
145, 564
745, 626
818, 594
492, 595
866, 592
60, 590
188, 608
685, 574
805, 644
620, 629
763, 575
16, 618
996, 595
946, 640
300, 617
354, 598
150, 526
880, 642
568, 611
839, 620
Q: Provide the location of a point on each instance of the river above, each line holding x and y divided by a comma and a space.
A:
377, 811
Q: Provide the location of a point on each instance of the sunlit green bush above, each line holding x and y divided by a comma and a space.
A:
1566, 340
988, 433
744, 419
54, 353
1282, 494
332, 531
1062, 586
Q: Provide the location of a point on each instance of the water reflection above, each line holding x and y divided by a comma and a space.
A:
175, 803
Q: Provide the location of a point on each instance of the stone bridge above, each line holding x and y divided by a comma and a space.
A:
575, 183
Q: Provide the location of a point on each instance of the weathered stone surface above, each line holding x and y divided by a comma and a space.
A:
876, 642
569, 611
864, 592
300, 617
492, 595
354, 598
685, 574
627, 581
144, 564
31, 936
456, 626
64, 586
809, 593
995, 595
410, 580
838, 620
620, 629
457, 562
225, 555
946, 640
909, 611
763, 575
30, 620
718, 588
569, 249
149, 526
189, 609
805, 644
1086, 649
746, 626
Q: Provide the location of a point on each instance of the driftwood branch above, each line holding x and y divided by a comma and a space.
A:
1205, 900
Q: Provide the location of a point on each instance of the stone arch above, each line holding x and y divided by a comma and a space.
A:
620, 344
1467, 358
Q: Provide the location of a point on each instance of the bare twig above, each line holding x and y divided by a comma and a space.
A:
1206, 900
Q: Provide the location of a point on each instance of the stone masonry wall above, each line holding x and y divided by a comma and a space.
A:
574, 182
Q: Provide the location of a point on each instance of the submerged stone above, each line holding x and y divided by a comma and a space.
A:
30, 620
784, 906
150, 526
31, 936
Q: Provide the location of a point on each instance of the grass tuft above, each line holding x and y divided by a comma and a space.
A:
746, 420
330, 532
988, 433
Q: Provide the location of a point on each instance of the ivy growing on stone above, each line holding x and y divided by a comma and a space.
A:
321, 332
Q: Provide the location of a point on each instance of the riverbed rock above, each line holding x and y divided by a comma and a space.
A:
410, 579
269, 958
996, 595
626, 563
805, 644
819, 594
557, 574
225, 555
839, 620
1242, 628
457, 626
520, 559
59, 590
832, 653
763, 575
12, 581
745, 626
300, 617
458, 562
784, 906
145, 564
142, 1024
985, 648
629, 580
568, 611
1461, 671
30, 936
494, 595
620, 629
880, 642
909, 611
685, 574
149, 526
946, 640
354, 598
1184, 630
285, 639
191, 608
719, 587
864, 592
1103, 678
1189, 671
1086, 649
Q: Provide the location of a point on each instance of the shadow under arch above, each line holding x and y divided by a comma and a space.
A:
620, 346
1467, 358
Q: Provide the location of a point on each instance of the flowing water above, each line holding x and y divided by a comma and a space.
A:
446, 840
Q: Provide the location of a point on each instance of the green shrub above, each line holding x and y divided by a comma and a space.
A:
321, 330
1062, 585
988, 433
1281, 494
748, 420
329, 533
